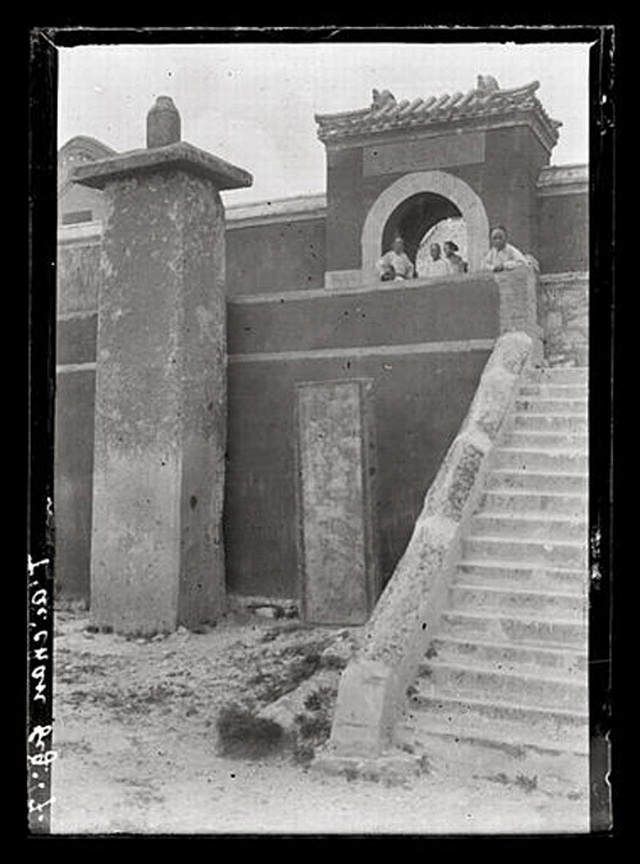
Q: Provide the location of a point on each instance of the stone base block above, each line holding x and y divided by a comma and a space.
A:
364, 710
392, 767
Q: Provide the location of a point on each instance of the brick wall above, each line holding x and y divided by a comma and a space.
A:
424, 346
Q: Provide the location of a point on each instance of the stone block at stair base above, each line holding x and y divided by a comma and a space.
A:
391, 768
157, 557
363, 717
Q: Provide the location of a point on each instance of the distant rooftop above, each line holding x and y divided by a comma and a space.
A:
487, 101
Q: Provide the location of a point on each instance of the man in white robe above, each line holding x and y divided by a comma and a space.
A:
395, 264
502, 255
436, 265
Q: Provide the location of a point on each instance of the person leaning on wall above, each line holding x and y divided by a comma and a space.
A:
503, 255
395, 265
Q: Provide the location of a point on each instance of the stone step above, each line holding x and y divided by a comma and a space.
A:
537, 481
539, 526
559, 375
518, 601
557, 553
519, 629
518, 574
468, 757
554, 390
506, 724
511, 658
437, 678
517, 501
541, 422
556, 440
559, 461
541, 405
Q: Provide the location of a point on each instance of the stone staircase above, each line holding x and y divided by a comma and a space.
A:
502, 690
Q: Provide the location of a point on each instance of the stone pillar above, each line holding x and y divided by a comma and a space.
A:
157, 557
336, 474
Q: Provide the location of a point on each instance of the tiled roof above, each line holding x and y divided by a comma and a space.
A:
486, 102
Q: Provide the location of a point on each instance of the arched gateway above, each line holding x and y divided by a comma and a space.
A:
441, 195
476, 155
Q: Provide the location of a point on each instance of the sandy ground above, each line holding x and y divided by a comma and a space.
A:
135, 734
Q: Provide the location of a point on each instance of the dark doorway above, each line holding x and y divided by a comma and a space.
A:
414, 217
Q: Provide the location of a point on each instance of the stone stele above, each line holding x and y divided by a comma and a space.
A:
157, 557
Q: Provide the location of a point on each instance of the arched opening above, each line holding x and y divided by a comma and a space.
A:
414, 205
415, 218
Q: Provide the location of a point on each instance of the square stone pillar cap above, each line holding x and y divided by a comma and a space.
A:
180, 156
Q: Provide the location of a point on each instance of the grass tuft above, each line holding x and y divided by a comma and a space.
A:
241, 733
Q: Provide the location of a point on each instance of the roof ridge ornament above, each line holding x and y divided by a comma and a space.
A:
487, 84
381, 100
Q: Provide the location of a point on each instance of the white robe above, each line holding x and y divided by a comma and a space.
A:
401, 264
439, 267
509, 258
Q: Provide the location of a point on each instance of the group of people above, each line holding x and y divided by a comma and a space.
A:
396, 265
448, 264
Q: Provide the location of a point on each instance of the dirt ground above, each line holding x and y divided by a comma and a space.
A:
135, 733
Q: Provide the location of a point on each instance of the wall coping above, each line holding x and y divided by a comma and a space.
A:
297, 209
80, 231
323, 293
563, 180
372, 687
566, 278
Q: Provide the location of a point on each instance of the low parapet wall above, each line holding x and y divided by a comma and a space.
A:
564, 316
373, 685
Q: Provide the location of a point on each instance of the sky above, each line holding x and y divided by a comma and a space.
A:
254, 104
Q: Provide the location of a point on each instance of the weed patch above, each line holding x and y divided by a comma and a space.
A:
275, 683
241, 733
313, 728
529, 784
